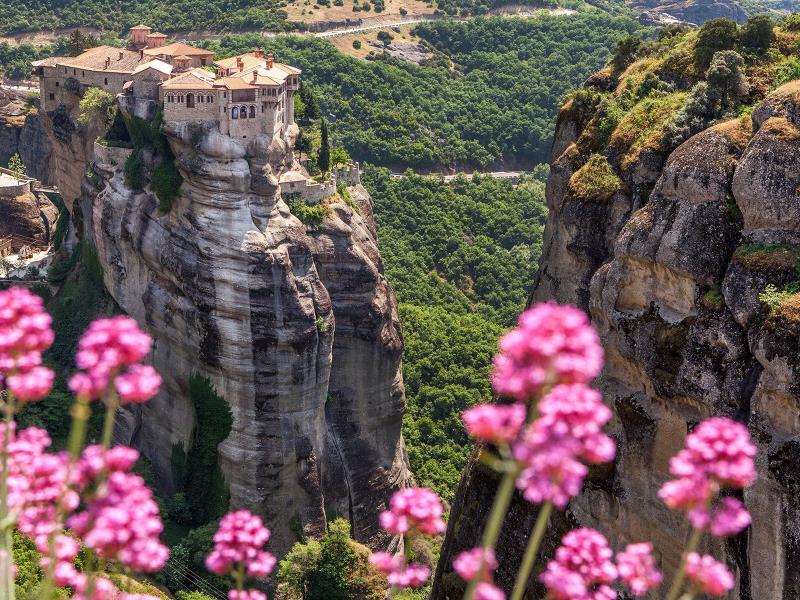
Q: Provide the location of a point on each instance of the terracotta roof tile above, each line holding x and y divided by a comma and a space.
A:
177, 49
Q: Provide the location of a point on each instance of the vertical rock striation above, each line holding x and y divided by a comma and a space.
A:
671, 268
295, 326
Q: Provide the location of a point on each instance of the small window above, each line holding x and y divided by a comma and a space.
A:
52, 96
106, 80
56, 84
200, 98
209, 98
74, 71
235, 112
243, 112
83, 73
252, 112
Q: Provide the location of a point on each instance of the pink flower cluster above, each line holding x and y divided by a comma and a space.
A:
718, 453
111, 350
411, 510
419, 509
398, 573
712, 577
552, 344
637, 568
583, 568
25, 334
567, 434
495, 423
239, 541
37, 484
120, 520
479, 563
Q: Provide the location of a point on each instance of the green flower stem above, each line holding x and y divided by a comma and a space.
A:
502, 500
680, 576
77, 434
532, 550
7, 537
112, 404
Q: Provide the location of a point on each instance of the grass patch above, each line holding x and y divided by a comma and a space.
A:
713, 299
776, 300
595, 181
642, 127
309, 214
768, 257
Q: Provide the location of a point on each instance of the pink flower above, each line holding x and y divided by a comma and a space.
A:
121, 522
552, 475
488, 591
31, 385
413, 508
102, 588
246, 595
24, 329
472, 563
139, 384
413, 575
712, 577
686, 493
494, 423
637, 568
239, 541
582, 568
568, 431
386, 563
576, 412
397, 572
105, 351
720, 450
729, 518
552, 344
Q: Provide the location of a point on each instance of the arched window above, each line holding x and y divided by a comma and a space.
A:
209, 98
235, 112
252, 112
201, 98
170, 99
243, 112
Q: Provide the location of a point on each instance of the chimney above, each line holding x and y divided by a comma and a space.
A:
141, 54
108, 61
269, 60
255, 76
258, 53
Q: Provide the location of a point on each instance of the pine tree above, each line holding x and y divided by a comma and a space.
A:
324, 156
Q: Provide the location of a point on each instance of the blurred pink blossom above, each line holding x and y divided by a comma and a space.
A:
413, 508
552, 344
711, 576
240, 540
494, 423
582, 569
637, 568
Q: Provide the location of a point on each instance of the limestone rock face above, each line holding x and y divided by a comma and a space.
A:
695, 11
30, 219
295, 326
672, 282
21, 132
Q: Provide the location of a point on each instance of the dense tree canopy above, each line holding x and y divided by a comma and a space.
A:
177, 15
498, 103
462, 258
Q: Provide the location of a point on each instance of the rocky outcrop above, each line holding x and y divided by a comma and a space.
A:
21, 132
695, 11
29, 219
294, 325
671, 269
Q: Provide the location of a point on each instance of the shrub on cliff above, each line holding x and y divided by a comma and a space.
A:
715, 35
758, 33
595, 181
335, 568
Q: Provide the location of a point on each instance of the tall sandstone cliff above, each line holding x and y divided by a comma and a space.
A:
670, 268
295, 326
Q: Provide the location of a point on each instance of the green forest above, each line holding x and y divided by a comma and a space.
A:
489, 98
110, 15
462, 258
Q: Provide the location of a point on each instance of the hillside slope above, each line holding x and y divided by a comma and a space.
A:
685, 253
